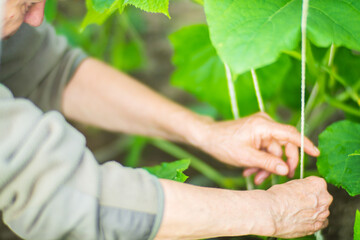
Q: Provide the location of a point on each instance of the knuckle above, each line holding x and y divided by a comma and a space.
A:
291, 129
325, 214
322, 183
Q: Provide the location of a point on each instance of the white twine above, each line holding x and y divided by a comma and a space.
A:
305, 12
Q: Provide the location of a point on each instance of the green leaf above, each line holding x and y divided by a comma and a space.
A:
336, 143
252, 34
334, 21
100, 10
200, 71
171, 171
348, 65
50, 10
357, 226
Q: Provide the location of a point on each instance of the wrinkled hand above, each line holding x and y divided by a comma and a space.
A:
256, 142
298, 208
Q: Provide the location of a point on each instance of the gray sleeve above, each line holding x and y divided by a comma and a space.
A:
37, 64
51, 187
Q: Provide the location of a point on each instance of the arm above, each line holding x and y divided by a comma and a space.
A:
102, 96
52, 188
290, 210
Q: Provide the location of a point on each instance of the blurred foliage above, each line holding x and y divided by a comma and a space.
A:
116, 42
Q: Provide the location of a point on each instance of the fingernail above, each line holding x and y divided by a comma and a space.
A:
281, 169
317, 150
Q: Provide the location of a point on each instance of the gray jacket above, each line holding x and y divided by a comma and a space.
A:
51, 187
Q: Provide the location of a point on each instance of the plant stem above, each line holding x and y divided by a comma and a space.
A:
257, 90
232, 93
352, 93
293, 54
235, 110
318, 116
338, 104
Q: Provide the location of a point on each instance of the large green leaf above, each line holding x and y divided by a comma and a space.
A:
201, 72
357, 226
171, 171
199, 69
252, 34
100, 10
335, 21
336, 162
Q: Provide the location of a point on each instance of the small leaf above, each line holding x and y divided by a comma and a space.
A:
100, 10
171, 171
357, 226
336, 143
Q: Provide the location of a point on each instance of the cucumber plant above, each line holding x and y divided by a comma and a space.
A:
264, 36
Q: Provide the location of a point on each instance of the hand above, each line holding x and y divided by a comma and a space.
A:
256, 142
298, 208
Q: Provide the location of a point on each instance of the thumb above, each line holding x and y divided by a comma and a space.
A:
269, 162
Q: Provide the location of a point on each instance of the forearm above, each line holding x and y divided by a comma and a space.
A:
196, 212
104, 97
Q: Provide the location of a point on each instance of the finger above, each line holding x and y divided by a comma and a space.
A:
292, 155
324, 215
275, 148
261, 176
265, 115
250, 171
268, 162
290, 134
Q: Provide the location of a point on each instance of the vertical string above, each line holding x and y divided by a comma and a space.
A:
305, 11
235, 110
